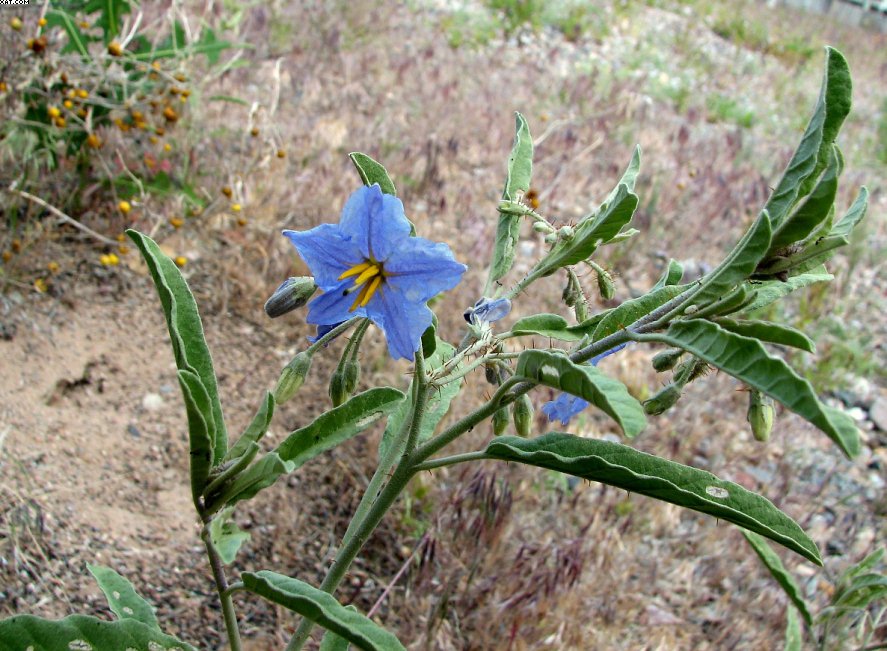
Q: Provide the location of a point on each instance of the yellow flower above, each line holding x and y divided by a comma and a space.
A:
82, 94
40, 285
124, 207
68, 104
235, 207
16, 23
53, 112
176, 222
42, 22
115, 49
53, 267
181, 260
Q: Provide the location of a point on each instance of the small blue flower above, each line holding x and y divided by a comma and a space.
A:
565, 406
487, 310
368, 265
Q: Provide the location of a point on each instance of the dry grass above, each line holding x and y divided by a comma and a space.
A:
505, 557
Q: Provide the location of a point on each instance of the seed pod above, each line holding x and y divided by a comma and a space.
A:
522, 413
571, 292
491, 374
605, 285
666, 359
500, 421
292, 377
761, 412
292, 294
663, 401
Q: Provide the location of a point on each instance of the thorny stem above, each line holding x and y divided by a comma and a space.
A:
222, 587
332, 334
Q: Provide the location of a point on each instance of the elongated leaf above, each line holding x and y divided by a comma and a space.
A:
559, 372
226, 536
555, 326
185, 332
639, 472
794, 635
853, 215
438, 403
255, 430
371, 172
863, 590
748, 361
517, 180
629, 178
671, 276
809, 158
332, 642
739, 264
813, 210
770, 291
199, 431
327, 431
322, 609
77, 41
24, 632
122, 598
630, 311
774, 565
772, 333
227, 98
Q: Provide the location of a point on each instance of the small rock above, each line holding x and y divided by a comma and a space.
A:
152, 401
657, 616
878, 413
857, 414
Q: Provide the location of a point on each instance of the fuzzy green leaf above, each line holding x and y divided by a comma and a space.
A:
321, 608
774, 565
772, 333
255, 430
794, 635
811, 155
747, 360
226, 536
638, 472
671, 276
77, 41
371, 172
555, 326
587, 382
630, 311
122, 597
199, 431
739, 264
23, 632
770, 291
185, 332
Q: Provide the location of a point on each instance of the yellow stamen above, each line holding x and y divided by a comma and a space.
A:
356, 270
366, 275
371, 289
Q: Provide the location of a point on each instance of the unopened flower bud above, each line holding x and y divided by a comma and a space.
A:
338, 387
666, 359
500, 421
760, 414
522, 414
551, 238
542, 227
292, 377
605, 285
566, 233
663, 401
491, 373
351, 372
292, 294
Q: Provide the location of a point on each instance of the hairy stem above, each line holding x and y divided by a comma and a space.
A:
223, 589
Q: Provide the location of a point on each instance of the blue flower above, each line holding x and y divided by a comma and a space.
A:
565, 406
368, 265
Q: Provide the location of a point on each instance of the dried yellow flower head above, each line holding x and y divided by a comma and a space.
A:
124, 207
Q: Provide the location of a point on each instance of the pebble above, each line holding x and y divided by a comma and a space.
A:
152, 401
878, 413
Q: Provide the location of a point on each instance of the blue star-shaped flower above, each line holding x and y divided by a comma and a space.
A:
565, 406
368, 265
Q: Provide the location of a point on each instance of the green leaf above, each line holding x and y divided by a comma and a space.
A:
77, 41
185, 332
772, 333
109, 16
227, 98
517, 180
773, 563
437, 407
739, 264
200, 435
23, 632
748, 361
555, 326
225, 535
332, 642
630, 311
520, 162
629, 178
769, 291
671, 276
122, 598
812, 211
810, 157
853, 215
322, 609
372, 172
255, 430
794, 636
325, 432
638, 472
587, 382
862, 591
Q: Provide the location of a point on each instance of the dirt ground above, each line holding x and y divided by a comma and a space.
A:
93, 442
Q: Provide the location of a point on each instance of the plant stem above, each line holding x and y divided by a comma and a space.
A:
450, 461
332, 334
222, 587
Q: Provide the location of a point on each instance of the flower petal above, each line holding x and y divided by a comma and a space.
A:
402, 321
564, 407
422, 269
375, 222
326, 251
334, 305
